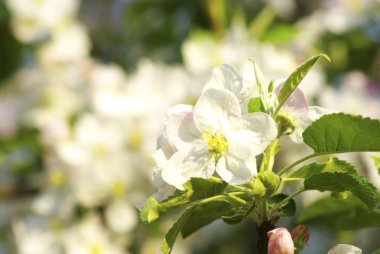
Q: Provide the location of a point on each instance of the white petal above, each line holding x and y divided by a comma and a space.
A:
199, 163
225, 77
172, 172
236, 171
250, 135
213, 109
180, 167
180, 130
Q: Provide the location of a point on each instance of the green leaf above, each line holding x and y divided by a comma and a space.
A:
195, 189
340, 214
339, 133
255, 105
295, 79
287, 209
204, 214
377, 162
150, 210
168, 242
332, 166
376, 251
200, 188
359, 186
193, 219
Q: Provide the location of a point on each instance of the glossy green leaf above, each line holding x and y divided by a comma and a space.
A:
359, 186
343, 133
333, 165
295, 79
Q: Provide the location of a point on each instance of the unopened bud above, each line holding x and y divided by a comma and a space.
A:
280, 242
300, 236
270, 180
344, 249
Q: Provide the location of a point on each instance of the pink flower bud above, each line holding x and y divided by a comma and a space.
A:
280, 242
300, 236
344, 249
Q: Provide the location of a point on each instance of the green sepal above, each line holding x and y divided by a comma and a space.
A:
255, 105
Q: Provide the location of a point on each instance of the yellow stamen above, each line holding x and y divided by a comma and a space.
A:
217, 144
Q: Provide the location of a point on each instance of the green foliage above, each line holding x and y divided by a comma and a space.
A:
255, 105
376, 251
359, 186
340, 214
195, 189
286, 209
332, 166
199, 188
150, 210
203, 214
193, 219
339, 133
295, 79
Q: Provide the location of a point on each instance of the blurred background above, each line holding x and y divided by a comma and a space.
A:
84, 87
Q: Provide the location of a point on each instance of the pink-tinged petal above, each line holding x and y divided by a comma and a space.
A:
280, 242
213, 109
236, 171
344, 249
225, 77
295, 102
180, 129
251, 134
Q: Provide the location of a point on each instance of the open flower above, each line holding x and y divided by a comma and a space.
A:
214, 136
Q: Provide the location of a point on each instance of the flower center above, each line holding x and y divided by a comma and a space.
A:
217, 144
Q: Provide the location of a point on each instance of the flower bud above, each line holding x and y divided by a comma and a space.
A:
280, 242
300, 236
344, 249
265, 184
